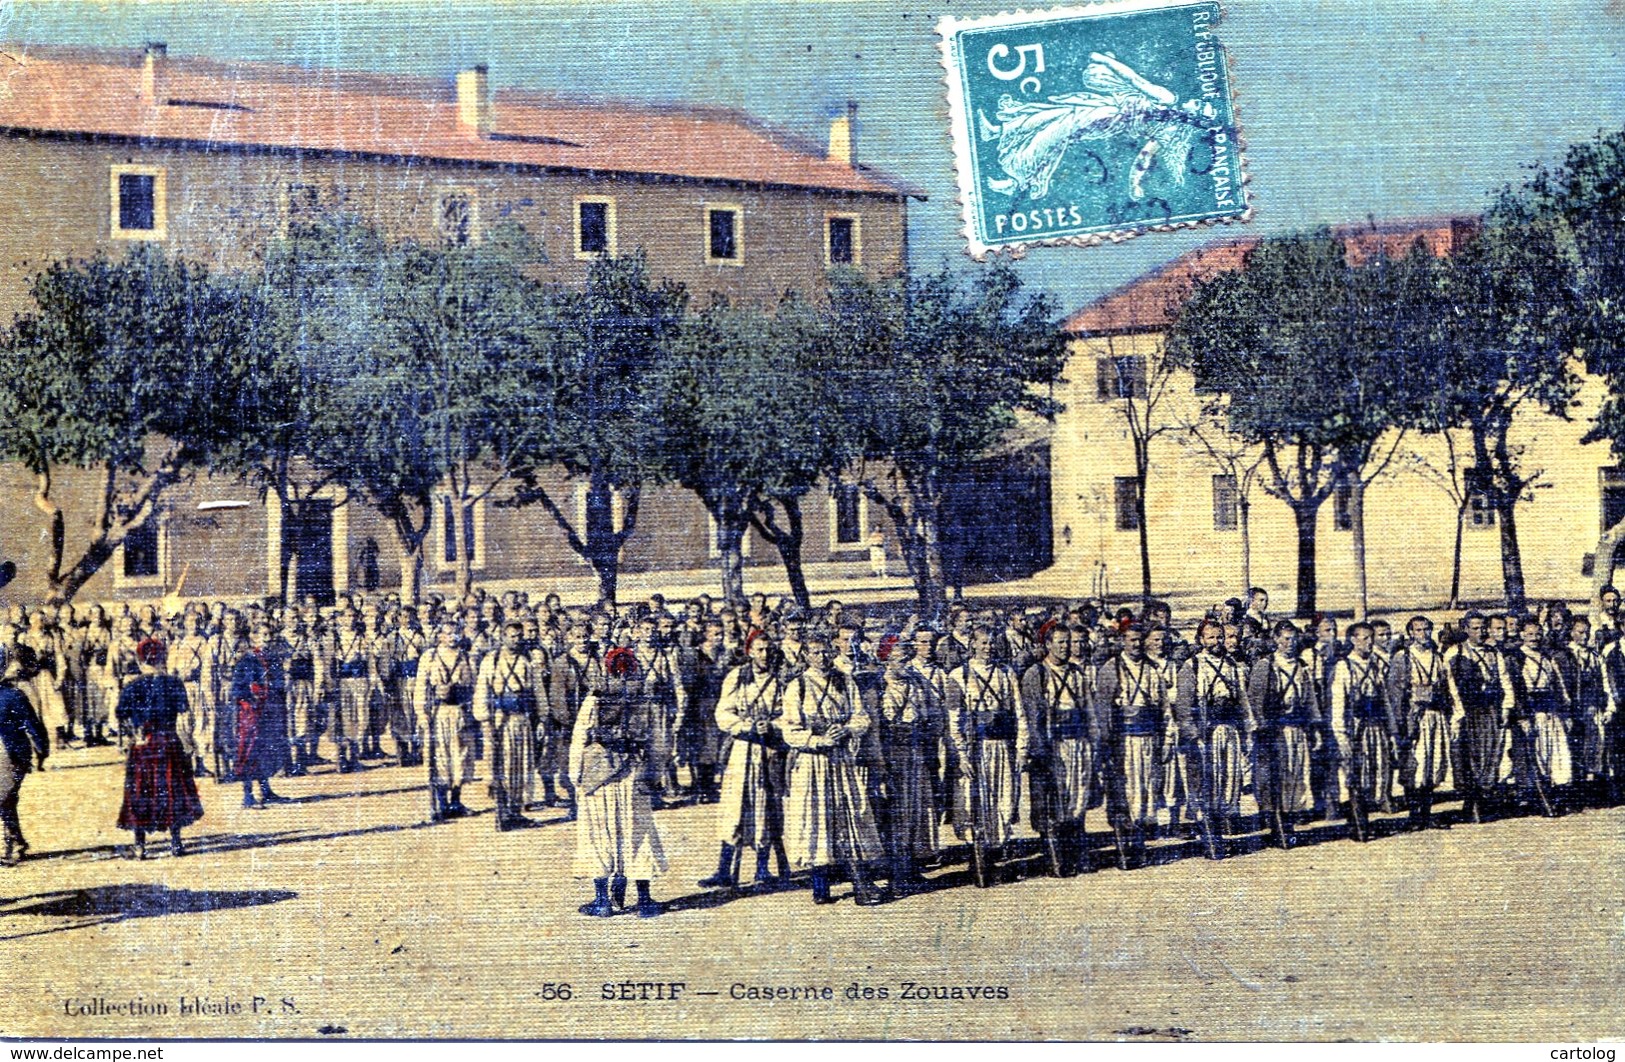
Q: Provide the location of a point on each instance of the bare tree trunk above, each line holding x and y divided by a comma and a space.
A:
731, 528
409, 538
787, 540
1511, 557
1357, 528
1304, 515
1455, 562
1244, 511
1145, 536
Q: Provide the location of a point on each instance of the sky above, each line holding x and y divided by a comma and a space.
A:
1349, 110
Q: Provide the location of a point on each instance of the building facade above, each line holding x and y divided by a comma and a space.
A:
213, 160
1203, 488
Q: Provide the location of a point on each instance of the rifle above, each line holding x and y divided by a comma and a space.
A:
978, 854
1046, 808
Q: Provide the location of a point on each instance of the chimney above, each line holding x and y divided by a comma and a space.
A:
152, 65
842, 136
474, 101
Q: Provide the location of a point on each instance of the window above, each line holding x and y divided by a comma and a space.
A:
595, 227
1343, 506
141, 557
1128, 513
1226, 503
723, 244
139, 202
1120, 377
454, 217
848, 515
841, 246
471, 528
1480, 513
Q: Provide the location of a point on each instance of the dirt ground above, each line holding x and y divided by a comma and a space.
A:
345, 915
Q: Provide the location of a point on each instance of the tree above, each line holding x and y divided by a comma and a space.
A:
1138, 387
139, 369
1314, 372
931, 373
1501, 340
1576, 212
744, 430
1453, 479
598, 352
1231, 456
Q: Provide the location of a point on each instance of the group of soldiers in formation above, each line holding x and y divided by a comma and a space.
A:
831, 745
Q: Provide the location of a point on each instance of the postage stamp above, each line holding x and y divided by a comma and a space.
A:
1078, 125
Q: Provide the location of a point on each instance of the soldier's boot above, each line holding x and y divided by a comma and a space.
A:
865, 893
1122, 847
1078, 850
1413, 801
550, 797
764, 865
437, 804
1054, 853
724, 877
783, 859
1278, 835
600, 906
905, 875
8, 856
1359, 824
176, 848
648, 907
820, 886
617, 891
268, 797
1137, 846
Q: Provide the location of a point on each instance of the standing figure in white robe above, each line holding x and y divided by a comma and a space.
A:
750, 812
828, 819
990, 738
1065, 731
616, 839
445, 700
1365, 727
509, 692
1282, 693
1418, 690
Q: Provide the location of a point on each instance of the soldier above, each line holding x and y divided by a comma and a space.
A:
909, 730
1592, 710
1363, 721
1417, 691
659, 678
1215, 721
508, 694
1541, 711
444, 696
45, 643
990, 738
751, 811
225, 648
410, 645
944, 770
1282, 694
616, 838
1179, 798
1064, 733
122, 666
1133, 701
710, 664
23, 745
355, 681
571, 680
307, 677
829, 821
260, 692
1606, 628
189, 661
1321, 659
1481, 688
93, 646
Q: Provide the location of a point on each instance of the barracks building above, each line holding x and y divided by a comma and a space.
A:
1194, 497
213, 159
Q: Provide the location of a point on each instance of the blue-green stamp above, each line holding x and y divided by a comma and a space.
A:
1084, 124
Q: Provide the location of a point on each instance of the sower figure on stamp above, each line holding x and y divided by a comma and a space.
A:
616, 839
909, 732
1064, 733
259, 689
1417, 690
1365, 727
508, 694
23, 745
444, 696
1481, 687
159, 791
1540, 740
1591, 712
1133, 699
828, 820
1282, 694
1214, 714
751, 811
989, 732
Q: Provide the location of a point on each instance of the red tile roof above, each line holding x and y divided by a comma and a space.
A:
1150, 303
98, 93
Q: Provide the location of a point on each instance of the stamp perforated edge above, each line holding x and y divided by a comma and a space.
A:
948, 29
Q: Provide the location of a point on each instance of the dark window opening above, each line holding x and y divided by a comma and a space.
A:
1226, 503
1120, 377
724, 239
141, 551
1128, 511
448, 539
840, 241
848, 527
594, 221
137, 202
1343, 506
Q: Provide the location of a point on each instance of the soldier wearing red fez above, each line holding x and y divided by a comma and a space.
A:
159, 790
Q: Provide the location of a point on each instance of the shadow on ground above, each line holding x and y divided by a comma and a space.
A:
104, 904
